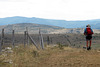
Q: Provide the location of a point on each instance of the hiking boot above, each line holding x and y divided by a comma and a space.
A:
89, 48
84, 47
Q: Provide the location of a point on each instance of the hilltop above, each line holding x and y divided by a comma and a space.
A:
45, 29
32, 28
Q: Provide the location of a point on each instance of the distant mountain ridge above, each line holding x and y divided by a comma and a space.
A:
61, 23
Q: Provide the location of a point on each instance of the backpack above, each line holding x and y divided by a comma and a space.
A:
89, 31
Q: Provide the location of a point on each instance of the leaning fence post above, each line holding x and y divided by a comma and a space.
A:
41, 39
13, 38
33, 41
68, 40
2, 37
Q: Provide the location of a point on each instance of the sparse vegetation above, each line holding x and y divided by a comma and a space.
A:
56, 54
60, 46
52, 56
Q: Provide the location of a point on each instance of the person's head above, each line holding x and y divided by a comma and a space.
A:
88, 25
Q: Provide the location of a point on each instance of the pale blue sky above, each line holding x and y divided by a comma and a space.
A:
51, 9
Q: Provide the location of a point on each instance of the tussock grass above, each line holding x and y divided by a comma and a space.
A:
51, 56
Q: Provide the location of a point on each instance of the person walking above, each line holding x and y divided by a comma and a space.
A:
88, 33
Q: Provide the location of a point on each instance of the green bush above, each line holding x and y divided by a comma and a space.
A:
60, 46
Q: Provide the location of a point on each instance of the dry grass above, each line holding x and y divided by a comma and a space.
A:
51, 57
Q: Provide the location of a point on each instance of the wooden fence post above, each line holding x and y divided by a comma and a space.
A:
24, 38
70, 44
41, 39
13, 38
27, 36
33, 41
48, 40
2, 37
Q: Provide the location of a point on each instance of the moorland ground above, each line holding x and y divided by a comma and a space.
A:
62, 50
51, 56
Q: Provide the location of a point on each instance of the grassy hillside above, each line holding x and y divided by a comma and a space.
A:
32, 28
52, 56
45, 29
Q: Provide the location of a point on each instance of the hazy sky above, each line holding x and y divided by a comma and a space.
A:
51, 9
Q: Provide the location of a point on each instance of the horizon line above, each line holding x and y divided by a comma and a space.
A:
50, 19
